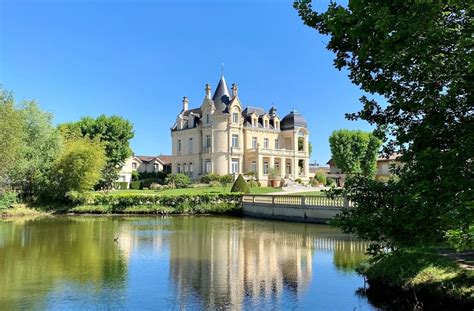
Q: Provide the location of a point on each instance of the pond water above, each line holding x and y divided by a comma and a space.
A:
177, 263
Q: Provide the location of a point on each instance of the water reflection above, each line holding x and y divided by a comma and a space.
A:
175, 262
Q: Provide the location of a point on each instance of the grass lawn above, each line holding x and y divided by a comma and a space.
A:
310, 193
199, 190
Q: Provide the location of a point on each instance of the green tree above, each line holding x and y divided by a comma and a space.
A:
11, 138
114, 133
240, 185
29, 144
79, 166
320, 177
417, 55
355, 152
42, 146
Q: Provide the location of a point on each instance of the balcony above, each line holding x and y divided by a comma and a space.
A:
236, 150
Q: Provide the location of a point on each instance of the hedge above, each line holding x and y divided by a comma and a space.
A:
122, 201
121, 185
135, 185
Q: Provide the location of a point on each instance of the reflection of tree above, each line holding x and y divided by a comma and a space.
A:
38, 253
349, 254
223, 263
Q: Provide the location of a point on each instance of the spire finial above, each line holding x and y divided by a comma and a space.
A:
222, 69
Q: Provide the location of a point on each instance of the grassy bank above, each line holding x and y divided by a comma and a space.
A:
420, 277
20, 210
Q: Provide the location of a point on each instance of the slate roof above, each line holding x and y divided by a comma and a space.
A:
293, 119
222, 94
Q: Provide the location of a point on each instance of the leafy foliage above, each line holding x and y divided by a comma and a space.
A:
29, 144
178, 180
114, 133
355, 152
240, 185
320, 177
7, 199
79, 166
418, 56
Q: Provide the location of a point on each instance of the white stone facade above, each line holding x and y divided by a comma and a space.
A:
222, 137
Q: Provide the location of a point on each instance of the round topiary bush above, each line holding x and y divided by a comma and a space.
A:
240, 185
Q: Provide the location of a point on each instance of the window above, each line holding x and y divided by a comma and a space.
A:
190, 122
235, 166
288, 168
179, 145
185, 169
155, 167
266, 124
265, 168
208, 141
207, 166
235, 140
254, 142
235, 117
277, 166
277, 144
178, 168
265, 143
254, 121
207, 118
254, 167
190, 145
134, 166
190, 167
277, 125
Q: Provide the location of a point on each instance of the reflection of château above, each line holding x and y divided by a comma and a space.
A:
226, 264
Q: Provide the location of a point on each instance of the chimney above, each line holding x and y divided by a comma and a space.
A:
208, 91
235, 90
185, 103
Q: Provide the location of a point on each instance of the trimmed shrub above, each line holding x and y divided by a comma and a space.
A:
240, 185
156, 186
178, 180
121, 185
226, 179
299, 180
214, 183
7, 199
146, 183
136, 185
252, 183
208, 178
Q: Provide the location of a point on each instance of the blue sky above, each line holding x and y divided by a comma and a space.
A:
137, 59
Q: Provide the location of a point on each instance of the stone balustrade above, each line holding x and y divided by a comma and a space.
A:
318, 209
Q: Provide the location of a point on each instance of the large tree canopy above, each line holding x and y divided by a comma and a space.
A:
355, 152
113, 132
29, 144
418, 55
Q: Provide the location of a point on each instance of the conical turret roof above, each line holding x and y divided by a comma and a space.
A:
222, 94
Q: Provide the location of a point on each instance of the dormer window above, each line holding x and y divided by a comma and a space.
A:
235, 117
277, 125
254, 121
265, 123
190, 121
207, 118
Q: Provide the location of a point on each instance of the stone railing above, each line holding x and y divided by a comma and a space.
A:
296, 200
